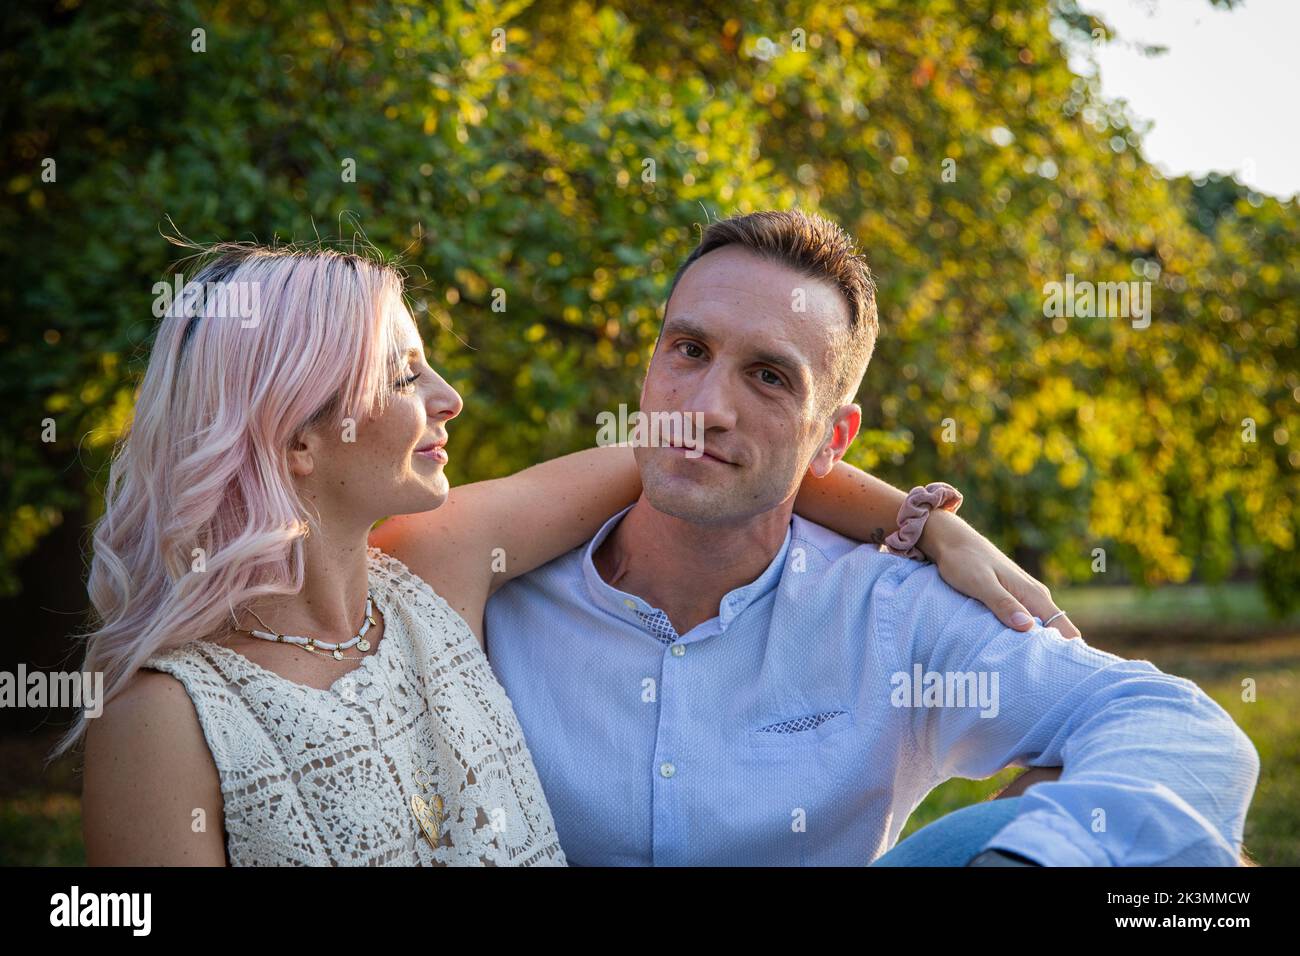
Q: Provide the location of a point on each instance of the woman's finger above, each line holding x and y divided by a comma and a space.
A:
1039, 601
1038, 598
981, 583
999, 599
1065, 626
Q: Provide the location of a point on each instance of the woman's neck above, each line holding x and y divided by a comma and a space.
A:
331, 604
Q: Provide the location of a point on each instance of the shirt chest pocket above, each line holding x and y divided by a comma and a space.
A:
795, 759
802, 731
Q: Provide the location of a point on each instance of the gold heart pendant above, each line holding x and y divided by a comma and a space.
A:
429, 815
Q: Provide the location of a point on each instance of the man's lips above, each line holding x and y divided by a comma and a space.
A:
434, 451
699, 454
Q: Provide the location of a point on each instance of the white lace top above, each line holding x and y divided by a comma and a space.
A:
325, 777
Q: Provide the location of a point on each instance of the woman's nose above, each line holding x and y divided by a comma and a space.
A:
445, 402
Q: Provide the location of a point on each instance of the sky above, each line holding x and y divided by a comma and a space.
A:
1223, 98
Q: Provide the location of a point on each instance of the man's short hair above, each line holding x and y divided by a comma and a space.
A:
820, 249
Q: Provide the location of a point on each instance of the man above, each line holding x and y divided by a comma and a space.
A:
715, 681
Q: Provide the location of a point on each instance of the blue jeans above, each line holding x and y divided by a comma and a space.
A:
952, 839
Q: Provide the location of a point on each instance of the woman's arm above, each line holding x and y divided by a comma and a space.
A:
148, 770
499, 529
855, 504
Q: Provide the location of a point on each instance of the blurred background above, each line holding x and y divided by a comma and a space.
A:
567, 153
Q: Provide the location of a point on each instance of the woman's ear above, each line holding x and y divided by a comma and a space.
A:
302, 459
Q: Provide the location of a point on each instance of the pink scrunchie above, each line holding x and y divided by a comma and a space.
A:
916, 508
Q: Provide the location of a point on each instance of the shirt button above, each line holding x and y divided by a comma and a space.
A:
679, 650
629, 602
667, 770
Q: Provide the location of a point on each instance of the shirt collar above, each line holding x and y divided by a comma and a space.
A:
624, 605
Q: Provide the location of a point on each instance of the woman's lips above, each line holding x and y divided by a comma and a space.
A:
434, 452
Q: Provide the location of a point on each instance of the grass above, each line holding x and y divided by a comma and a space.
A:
1197, 609
41, 830
40, 809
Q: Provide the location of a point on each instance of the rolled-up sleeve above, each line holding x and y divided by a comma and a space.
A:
1155, 772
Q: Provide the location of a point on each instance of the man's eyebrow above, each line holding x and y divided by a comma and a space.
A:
793, 366
679, 326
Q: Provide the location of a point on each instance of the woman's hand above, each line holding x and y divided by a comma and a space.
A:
864, 508
968, 562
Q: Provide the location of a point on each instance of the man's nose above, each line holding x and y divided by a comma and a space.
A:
711, 398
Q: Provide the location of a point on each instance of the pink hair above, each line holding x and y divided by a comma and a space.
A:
204, 464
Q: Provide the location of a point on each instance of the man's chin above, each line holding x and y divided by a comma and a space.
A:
687, 497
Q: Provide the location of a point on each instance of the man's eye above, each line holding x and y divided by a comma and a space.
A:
690, 345
774, 379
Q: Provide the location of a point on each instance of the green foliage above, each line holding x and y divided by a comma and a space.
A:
1279, 578
524, 169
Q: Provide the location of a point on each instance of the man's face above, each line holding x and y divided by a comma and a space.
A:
734, 351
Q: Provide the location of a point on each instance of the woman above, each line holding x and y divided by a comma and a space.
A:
278, 691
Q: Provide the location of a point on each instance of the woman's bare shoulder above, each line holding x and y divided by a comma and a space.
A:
153, 703
152, 792
458, 581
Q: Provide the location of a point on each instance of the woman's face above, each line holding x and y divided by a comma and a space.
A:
391, 463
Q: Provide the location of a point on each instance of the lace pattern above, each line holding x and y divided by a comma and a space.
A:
325, 777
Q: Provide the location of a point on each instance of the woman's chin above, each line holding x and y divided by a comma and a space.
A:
436, 494
430, 492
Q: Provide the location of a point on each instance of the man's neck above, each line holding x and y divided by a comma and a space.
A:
685, 569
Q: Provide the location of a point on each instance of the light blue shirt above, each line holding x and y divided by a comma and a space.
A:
805, 723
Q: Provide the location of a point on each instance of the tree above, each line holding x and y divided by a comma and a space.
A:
543, 170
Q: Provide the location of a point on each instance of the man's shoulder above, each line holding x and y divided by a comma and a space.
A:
559, 574
832, 550
844, 565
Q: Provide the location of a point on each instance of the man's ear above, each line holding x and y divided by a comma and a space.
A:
841, 430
